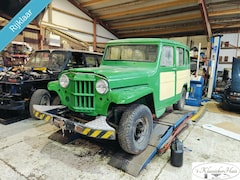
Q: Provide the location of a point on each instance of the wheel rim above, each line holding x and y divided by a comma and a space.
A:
140, 130
45, 100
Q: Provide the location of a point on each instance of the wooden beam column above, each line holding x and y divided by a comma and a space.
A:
95, 35
204, 13
208, 28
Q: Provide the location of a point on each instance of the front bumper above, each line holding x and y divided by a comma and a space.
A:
97, 128
233, 101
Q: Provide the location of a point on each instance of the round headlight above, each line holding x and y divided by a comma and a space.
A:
64, 81
102, 86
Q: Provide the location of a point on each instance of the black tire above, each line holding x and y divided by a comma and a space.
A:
135, 129
56, 101
39, 97
180, 104
225, 106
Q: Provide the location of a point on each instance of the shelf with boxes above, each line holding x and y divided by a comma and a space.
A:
230, 47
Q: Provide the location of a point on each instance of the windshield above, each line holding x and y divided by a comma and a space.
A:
53, 61
132, 53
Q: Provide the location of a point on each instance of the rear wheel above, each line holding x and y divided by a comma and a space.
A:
181, 102
39, 97
135, 129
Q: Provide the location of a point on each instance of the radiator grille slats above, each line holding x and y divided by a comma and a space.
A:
84, 95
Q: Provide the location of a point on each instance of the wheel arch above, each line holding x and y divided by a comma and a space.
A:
115, 111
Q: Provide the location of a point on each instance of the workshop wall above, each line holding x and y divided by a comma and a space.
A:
192, 41
68, 19
230, 44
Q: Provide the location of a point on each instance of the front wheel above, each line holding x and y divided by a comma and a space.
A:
135, 129
181, 102
39, 97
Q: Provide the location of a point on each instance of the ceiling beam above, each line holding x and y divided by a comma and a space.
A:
93, 2
166, 5
158, 21
161, 31
123, 20
224, 12
204, 13
236, 25
78, 5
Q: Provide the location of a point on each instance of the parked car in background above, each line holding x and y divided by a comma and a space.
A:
23, 86
231, 97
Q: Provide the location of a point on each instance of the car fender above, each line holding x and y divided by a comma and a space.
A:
129, 95
53, 86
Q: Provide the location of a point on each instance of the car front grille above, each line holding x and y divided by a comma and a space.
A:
84, 96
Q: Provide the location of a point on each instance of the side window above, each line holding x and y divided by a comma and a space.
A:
76, 60
91, 60
167, 56
179, 57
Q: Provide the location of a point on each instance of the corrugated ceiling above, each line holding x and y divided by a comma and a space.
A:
154, 18
161, 18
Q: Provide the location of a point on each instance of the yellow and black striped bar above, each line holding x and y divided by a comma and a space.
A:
95, 133
42, 116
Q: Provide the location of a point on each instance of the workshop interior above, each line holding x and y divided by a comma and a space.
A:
132, 89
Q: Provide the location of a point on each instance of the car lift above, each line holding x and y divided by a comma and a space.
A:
165, 130
8, 117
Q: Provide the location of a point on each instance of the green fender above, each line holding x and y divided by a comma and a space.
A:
53, 86
129, 95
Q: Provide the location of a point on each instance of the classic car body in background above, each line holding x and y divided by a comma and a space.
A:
23, 86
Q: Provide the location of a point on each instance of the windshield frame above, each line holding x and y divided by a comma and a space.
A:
53, 60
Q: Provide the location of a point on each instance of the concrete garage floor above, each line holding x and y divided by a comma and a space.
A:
27, 153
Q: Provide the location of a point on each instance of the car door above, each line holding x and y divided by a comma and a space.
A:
167, 75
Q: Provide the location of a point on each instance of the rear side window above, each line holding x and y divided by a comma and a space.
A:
179, 57
167, 56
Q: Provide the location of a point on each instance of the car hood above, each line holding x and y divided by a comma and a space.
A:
121, 75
